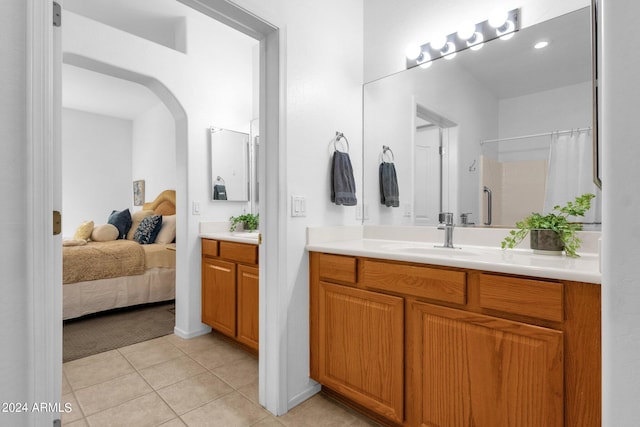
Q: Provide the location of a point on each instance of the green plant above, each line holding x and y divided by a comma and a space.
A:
250, 221
554, 221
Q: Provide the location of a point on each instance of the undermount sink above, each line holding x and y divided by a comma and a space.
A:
427, 249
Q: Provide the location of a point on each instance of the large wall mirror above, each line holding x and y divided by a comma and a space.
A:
494, 133
230, 165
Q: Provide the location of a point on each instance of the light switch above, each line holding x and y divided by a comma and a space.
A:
195, 209
298, 206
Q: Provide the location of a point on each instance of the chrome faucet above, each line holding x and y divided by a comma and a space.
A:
446, 224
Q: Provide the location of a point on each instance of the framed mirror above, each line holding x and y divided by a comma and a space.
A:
230, 172
480, 126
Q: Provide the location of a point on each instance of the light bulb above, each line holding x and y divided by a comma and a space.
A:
466, 31
449, 52
424, 60
506, 31
498, 18
438, 42
413, 51
477, 46
541, 45
476, 39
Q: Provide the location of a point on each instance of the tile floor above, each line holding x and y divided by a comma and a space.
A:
170, 382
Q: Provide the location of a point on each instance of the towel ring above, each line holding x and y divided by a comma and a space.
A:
339, 136
385, 149
219, 179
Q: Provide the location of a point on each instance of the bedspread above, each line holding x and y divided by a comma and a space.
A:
102, 260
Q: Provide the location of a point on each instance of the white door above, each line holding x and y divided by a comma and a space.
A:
427, 175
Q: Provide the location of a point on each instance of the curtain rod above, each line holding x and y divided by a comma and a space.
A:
534, 135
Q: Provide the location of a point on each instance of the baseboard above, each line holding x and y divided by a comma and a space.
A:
204, 329
312, 388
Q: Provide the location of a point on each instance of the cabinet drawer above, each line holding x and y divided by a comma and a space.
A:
423, 282
240, 252
337, 267
533, 298
209, 247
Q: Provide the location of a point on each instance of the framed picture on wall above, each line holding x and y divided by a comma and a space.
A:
138, 192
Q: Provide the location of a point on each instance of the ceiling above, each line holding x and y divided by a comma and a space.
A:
101, 94
511, 68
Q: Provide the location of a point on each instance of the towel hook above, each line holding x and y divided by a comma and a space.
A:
386, 148
339, 136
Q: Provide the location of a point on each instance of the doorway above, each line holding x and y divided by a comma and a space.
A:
47, 69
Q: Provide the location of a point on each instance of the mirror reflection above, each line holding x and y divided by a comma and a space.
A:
229, 165
508, 123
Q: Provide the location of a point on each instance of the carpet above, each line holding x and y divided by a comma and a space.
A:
100, 332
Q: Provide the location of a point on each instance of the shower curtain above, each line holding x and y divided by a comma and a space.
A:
570, 173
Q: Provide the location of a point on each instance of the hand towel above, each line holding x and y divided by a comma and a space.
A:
219, 192
343, 184
389, 193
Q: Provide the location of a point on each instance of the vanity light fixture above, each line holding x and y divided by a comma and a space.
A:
501, 25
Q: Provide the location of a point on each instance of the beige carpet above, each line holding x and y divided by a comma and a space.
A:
118, 328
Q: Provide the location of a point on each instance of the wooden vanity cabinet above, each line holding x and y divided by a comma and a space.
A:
478, 348
230, 289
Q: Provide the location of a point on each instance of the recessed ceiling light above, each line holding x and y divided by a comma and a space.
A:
541, 45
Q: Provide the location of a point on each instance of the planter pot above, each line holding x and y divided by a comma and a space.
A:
546, 242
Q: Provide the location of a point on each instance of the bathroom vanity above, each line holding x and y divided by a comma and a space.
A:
230, 290
414, 336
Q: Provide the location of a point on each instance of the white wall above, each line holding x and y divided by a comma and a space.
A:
154, 151
322, 94
96, 165
620, 91
567, 107
16, 355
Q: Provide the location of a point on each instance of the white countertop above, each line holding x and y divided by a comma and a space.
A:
220, 231
240, 237
524, 262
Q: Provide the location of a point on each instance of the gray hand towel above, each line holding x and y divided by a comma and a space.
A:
219, 192
343, 185
389, 193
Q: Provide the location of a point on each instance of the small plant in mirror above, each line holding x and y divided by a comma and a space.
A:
556, 221
250, 222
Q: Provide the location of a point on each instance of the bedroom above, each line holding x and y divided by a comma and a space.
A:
117, 131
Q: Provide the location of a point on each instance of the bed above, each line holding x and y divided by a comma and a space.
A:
125, 271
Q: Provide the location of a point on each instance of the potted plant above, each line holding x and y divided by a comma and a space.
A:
552, 232
249, 222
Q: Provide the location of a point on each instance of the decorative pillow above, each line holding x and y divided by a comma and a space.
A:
122, 221
168, 230
84, 231
148, 229
104, 233
136, 217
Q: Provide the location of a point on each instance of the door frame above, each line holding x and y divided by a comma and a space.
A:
44, 124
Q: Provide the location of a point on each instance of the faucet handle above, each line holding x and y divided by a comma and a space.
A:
445, 218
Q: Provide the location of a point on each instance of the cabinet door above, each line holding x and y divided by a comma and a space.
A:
361, 347
468, 369
248, 292
219, 295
